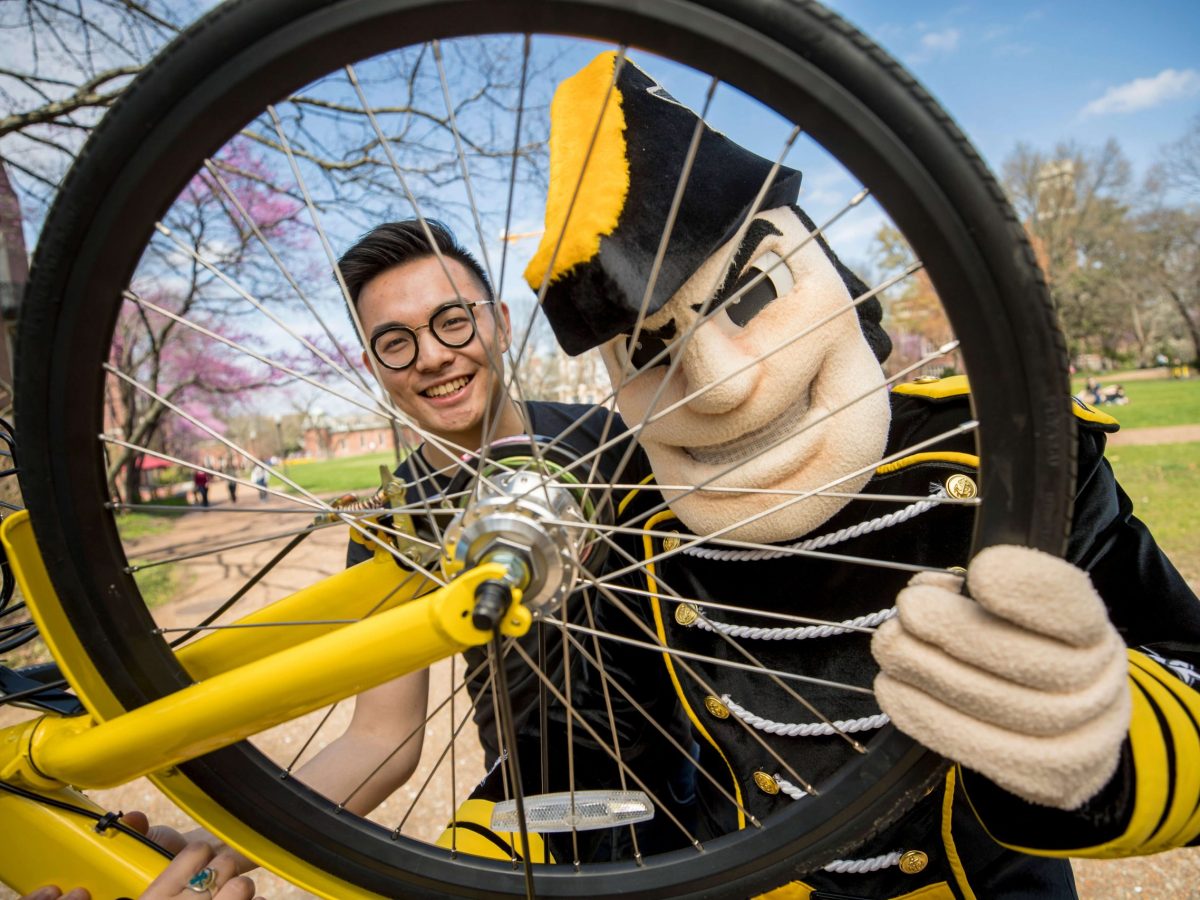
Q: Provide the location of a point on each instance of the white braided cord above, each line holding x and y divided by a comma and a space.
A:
825, 540
808, 729
790, 789
795, 633
843, 866
859, 866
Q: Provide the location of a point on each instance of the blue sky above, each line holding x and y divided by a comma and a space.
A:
1041, 72
1033, 72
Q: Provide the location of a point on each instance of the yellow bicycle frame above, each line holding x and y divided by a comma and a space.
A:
246, 680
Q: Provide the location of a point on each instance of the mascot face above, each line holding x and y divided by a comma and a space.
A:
810, 403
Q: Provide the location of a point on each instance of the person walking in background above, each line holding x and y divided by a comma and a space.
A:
200, 483
231, 471
259, 477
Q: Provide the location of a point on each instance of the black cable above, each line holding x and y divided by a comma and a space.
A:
103, 821
32, 692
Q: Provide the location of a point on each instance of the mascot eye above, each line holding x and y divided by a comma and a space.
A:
643, 353
773, 279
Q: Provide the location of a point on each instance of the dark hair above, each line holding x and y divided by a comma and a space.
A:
395, 243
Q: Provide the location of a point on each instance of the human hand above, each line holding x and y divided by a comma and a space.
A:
50, 892
196, 873
163, 835
1025, 681
172, 840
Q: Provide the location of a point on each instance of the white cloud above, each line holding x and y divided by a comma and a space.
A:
1145, 93
944, 41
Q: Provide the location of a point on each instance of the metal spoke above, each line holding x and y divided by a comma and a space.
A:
419, 729
296, 535
789, 618
756, 668
661, 585
595, 736
286, 273
249, 456
961, 429
256, 303
376, 407
687, 756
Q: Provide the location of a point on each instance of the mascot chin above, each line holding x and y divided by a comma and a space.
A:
1060, 688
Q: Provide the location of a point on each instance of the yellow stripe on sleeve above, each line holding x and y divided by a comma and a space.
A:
1180, 705
1150, 797
1176, 811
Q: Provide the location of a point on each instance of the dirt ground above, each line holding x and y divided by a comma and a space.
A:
1165, 434
205, 582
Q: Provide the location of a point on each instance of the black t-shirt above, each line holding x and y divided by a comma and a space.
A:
583, 428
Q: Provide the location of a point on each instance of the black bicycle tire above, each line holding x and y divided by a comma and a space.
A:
132, 166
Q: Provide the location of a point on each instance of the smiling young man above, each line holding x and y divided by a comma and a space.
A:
436, 335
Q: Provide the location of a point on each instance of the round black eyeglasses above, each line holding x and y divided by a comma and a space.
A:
453, 324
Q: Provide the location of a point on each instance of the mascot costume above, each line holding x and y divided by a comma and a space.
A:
1061, 689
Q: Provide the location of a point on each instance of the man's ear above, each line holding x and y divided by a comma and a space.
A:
367, 361
505, 323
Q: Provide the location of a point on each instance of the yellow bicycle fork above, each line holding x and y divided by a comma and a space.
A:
246, 680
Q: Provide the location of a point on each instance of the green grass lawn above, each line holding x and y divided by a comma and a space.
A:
351, 474
1164, 482
1153, 403
133, 525
157, 585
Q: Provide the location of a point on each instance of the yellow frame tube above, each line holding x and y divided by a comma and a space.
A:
367, 589
370, 587
243, 701
60, 847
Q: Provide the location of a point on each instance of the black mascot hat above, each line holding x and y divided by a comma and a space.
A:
618, 146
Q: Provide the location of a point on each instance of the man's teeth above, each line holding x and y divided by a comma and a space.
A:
441, 390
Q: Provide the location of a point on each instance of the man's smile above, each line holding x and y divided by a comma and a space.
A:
446, 388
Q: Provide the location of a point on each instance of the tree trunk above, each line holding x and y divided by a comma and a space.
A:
1193, 326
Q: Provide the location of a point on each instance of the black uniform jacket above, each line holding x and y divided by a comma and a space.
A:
966, 838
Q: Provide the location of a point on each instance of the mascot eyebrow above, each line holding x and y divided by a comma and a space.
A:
759, 230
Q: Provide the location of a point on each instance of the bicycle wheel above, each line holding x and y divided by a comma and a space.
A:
257, 89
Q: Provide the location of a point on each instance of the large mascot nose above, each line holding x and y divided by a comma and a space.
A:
715, 365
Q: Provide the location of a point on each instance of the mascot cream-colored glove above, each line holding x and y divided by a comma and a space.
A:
1024, 682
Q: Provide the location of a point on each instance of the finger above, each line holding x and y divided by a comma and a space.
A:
965, 630
948, 581
984, 696
136, 819
1039, 591
48, 892
1062, 771
77, 894
174, 878
240, 888
167, 837
225, 865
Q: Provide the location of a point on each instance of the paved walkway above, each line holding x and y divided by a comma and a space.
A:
1166, 434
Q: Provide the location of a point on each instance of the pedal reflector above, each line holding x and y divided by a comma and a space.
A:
581, 810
